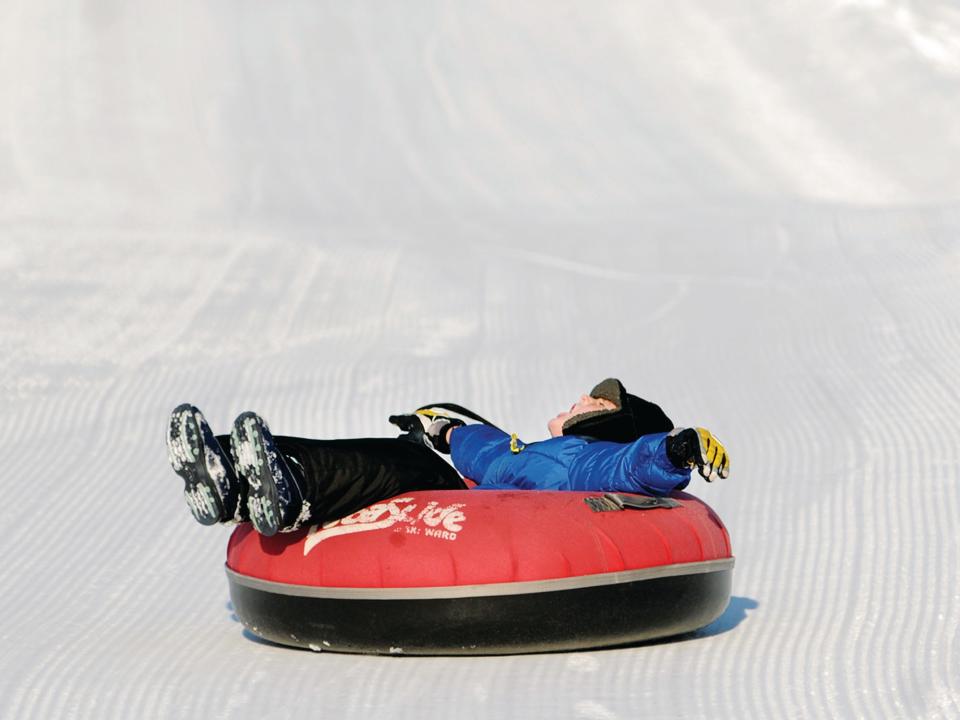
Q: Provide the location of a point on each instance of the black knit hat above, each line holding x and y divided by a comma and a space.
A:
632, 417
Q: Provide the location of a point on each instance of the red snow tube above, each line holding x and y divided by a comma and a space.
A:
471, 572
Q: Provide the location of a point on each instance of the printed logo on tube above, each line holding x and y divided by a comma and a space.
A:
443, 522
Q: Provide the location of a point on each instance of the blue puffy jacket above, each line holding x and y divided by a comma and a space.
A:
483, 454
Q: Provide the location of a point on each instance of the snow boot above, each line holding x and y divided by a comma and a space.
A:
275, 499
212, 489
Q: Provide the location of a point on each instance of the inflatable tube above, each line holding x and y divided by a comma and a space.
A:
472, 572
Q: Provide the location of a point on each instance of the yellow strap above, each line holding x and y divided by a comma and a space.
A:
515, 445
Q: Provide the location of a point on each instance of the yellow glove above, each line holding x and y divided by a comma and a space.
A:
697, 447
427, 427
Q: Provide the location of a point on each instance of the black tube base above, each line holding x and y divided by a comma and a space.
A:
560, 620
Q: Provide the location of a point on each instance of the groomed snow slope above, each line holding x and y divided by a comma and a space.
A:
329, 212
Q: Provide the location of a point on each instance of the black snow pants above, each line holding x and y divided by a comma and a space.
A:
343, 476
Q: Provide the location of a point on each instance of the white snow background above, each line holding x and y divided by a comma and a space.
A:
328, 212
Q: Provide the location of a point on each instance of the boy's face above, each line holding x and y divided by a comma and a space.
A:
584, 405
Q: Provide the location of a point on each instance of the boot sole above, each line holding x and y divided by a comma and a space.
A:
259, 460
187, 455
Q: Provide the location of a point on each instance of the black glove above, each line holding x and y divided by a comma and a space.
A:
427, 427
697, 447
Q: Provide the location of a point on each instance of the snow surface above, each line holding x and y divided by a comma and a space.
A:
328, 212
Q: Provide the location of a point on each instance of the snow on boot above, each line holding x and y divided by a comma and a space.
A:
212, 489
275, 499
